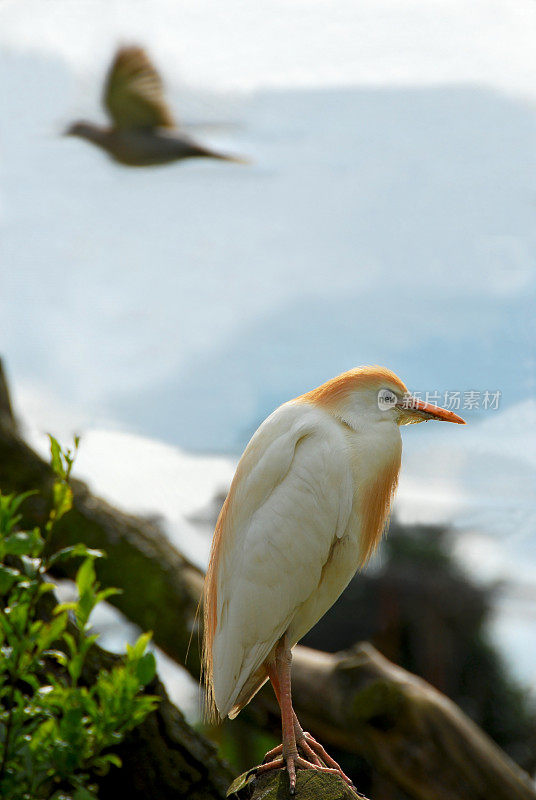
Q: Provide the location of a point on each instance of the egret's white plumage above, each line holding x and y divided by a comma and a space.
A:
306, 508
295, 482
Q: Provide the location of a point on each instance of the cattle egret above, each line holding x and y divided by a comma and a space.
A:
306, 509
143, 132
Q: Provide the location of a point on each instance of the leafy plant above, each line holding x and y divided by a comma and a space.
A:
55, 729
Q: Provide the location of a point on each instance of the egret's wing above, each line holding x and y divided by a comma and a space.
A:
290, 501
134, 93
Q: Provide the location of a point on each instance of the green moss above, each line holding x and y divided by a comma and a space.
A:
380, 701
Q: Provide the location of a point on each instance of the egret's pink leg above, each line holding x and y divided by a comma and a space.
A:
287, 754
283, 660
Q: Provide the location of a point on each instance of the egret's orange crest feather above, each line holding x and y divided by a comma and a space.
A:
334, 391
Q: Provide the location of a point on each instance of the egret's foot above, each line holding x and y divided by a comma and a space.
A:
272, 754
293, 762
322, 755
308, 752
303, 745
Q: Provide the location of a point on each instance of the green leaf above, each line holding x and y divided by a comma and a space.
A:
74, 666
90, 640
57, 655
46, 587
101, 766
52, 632
70, 606
146, 668
44, 731
55, 457
9, 504
85, 577
84, 607
35, 627
62, 497
8, 576
106, 593
70, 642
84, 794
20, 498
74, 551
23, 543
138, 649
111, 758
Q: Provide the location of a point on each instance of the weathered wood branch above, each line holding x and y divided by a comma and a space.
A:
6, 409
274, 786
363, 703
358, 702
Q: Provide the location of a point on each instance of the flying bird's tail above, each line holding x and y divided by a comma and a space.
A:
208, 153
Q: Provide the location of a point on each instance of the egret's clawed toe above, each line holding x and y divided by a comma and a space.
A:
322, 755
277, 753
307, 745
309, 753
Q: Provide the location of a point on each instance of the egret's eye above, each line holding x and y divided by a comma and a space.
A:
386, 399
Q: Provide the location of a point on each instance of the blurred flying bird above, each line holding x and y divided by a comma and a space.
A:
306, 509
143, 132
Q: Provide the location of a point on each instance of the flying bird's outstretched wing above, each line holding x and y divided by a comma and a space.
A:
290, 499
134, 93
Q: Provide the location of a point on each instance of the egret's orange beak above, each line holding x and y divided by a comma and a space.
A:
420, 411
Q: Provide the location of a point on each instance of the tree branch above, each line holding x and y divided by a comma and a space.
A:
406, 729
6, 409
274, 786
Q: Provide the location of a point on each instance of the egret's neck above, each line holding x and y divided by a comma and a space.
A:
374, 441
375, 449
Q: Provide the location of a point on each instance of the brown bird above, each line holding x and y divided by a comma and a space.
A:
143, 132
